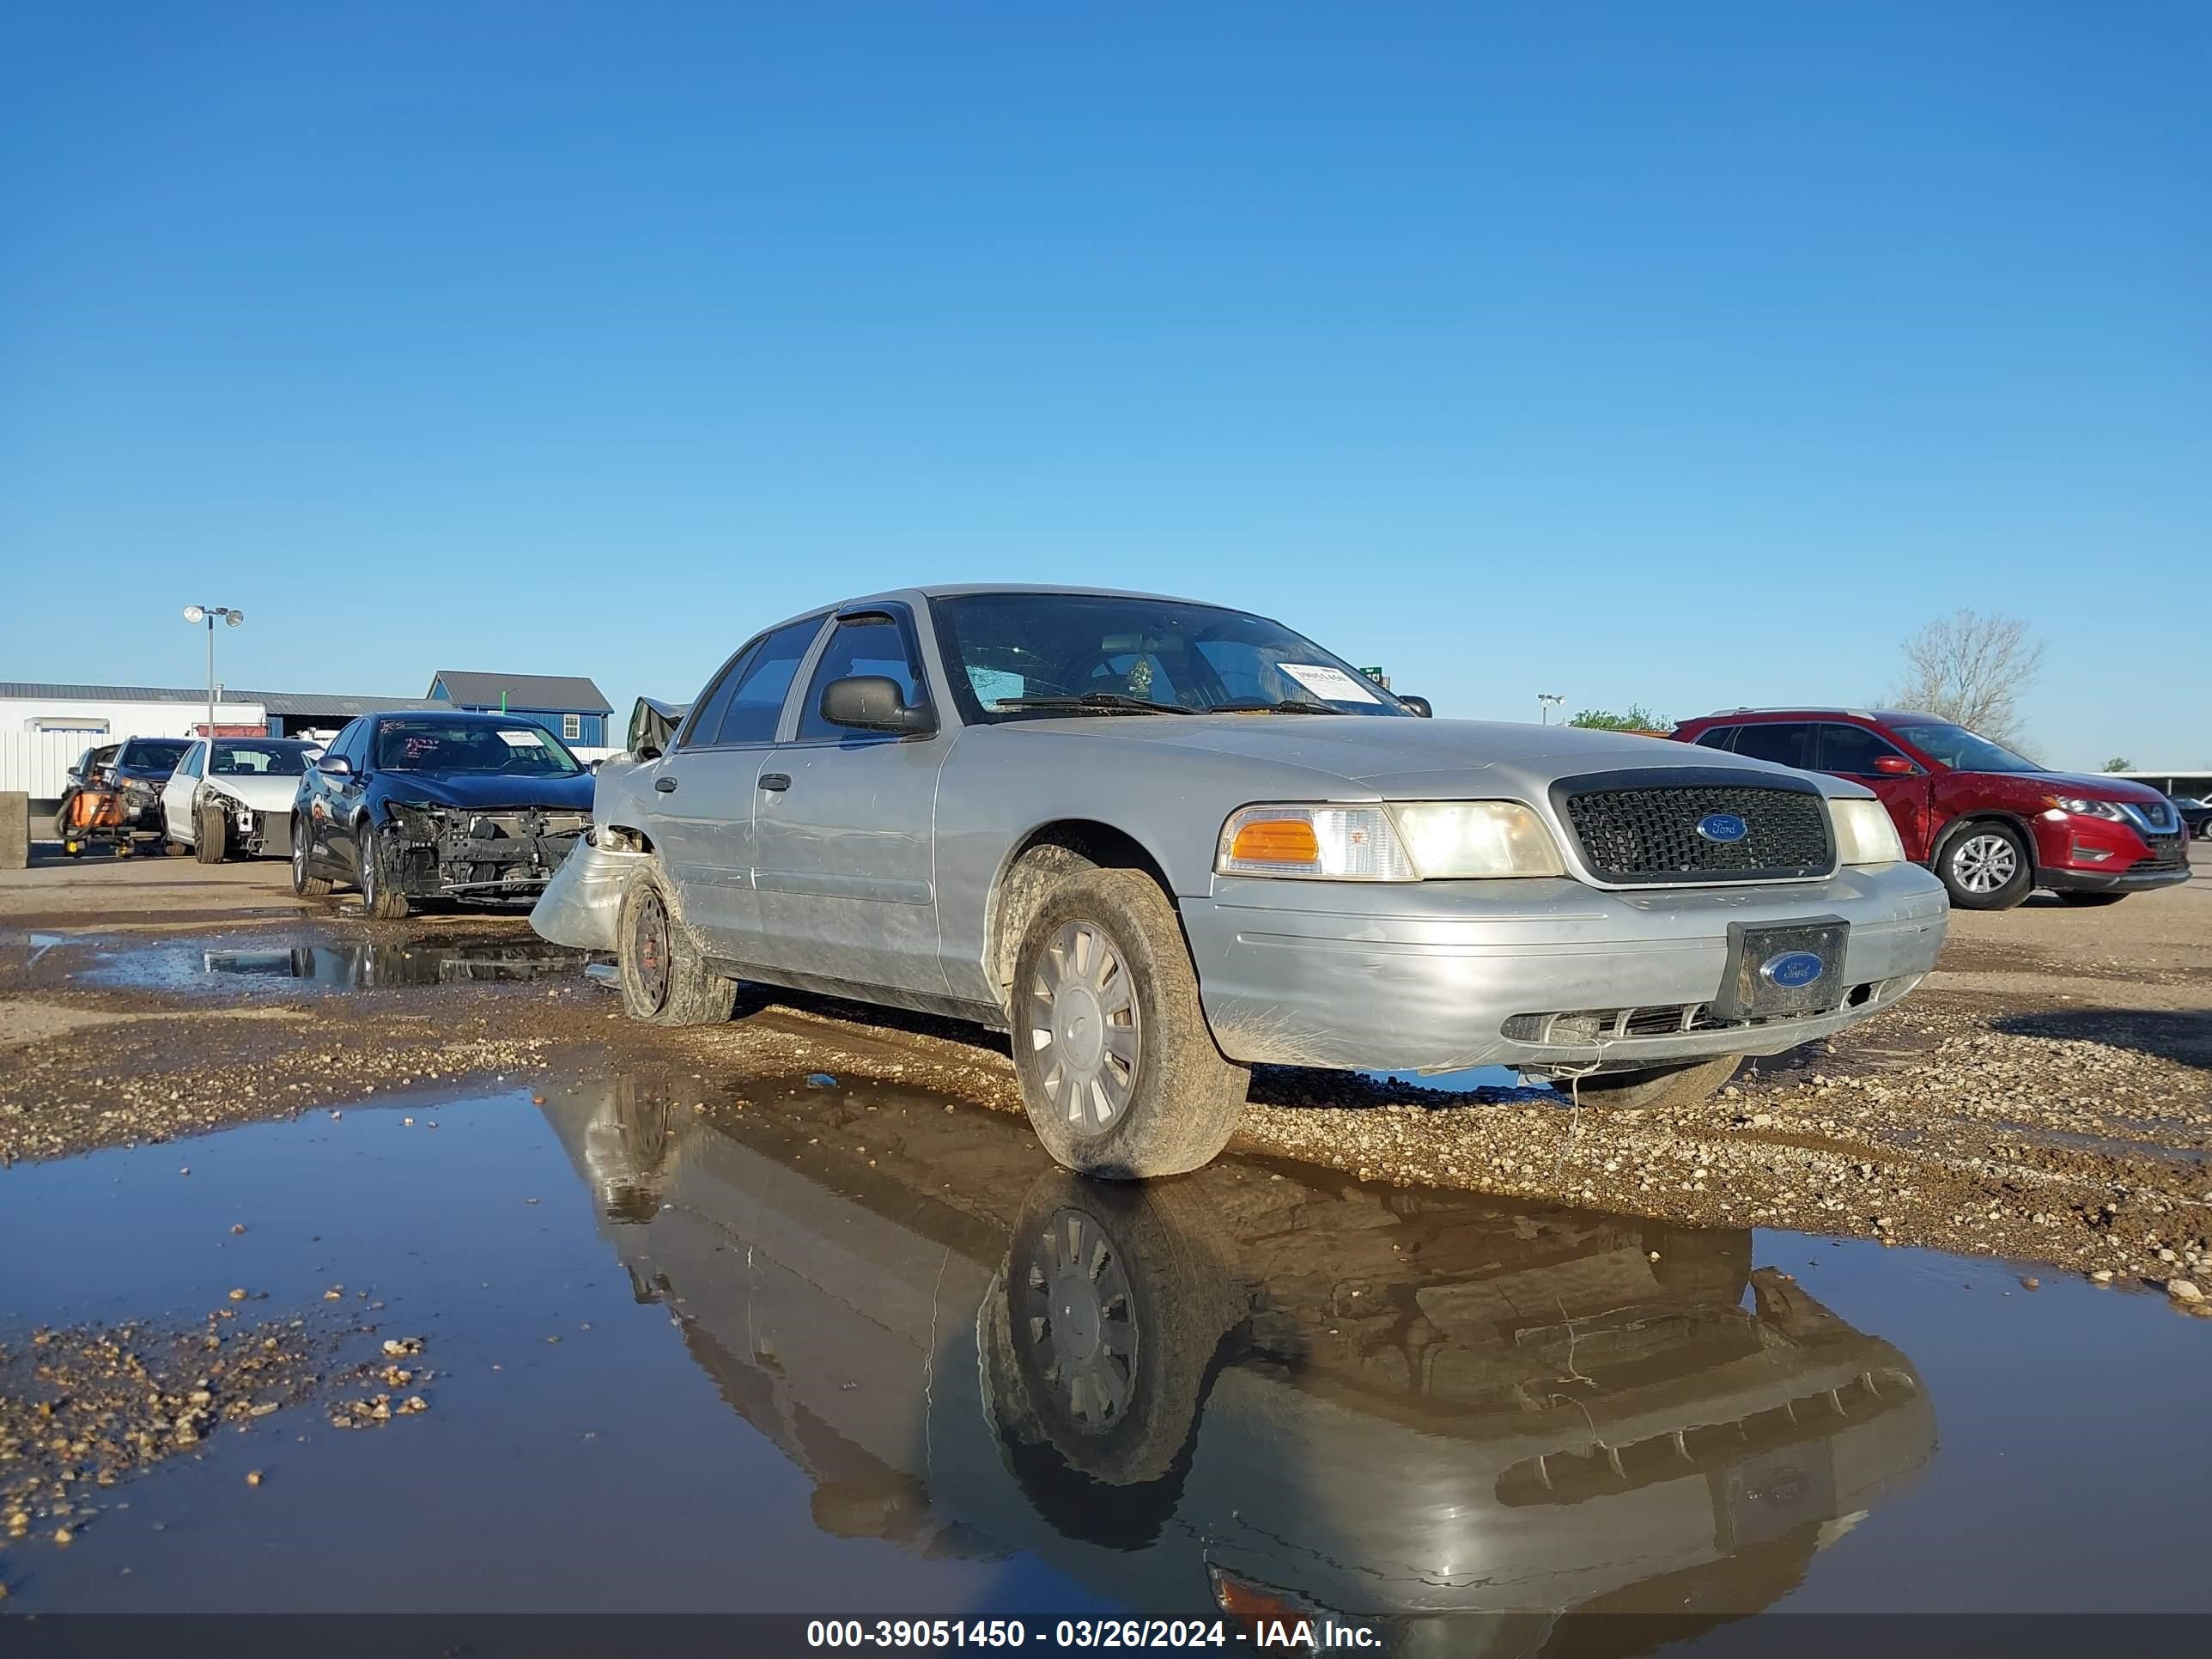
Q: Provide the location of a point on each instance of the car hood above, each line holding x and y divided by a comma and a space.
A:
1410, 759
484, 791
263, 794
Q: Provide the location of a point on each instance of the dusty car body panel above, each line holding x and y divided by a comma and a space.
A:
877, 866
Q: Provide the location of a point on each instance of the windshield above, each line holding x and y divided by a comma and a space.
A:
1962, 751
258, 760
1008, 653
515, 748
149, 755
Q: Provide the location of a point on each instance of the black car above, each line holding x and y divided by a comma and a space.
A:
2196, 816
413, 806
141, 767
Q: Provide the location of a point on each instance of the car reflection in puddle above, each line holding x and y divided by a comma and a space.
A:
358, 965
1276, 1393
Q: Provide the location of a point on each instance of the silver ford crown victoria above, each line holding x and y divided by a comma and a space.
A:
1158, 843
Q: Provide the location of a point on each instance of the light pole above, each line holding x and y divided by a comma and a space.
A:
1546, 702
208, 613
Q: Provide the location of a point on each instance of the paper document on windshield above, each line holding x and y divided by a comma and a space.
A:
522, 739
1329, 684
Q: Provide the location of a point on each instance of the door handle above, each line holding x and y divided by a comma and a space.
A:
665, 785
775, 781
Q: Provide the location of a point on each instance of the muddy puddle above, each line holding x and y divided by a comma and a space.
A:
332, 964
848, 1351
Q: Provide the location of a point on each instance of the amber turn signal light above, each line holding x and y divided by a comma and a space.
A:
1276, 841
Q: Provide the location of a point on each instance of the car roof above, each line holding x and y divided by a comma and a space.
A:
1886, 716
455, 716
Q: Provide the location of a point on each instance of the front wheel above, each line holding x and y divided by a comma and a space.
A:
211, 836
1985, 866
2093, 899
377, 898
1118, 1070
664, 977
305, 885
1656, 1088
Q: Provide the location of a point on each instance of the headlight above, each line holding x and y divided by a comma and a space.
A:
1460, 840
1865, 833
2084, 808
1430, 840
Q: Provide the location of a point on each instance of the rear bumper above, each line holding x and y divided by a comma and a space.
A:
1424, 977
580, 905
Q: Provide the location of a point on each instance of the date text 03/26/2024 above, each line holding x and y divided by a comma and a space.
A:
1141, 1635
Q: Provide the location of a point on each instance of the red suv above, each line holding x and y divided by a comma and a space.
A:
1992, 825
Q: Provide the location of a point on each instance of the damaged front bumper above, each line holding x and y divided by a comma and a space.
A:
450, 852
1543, 974
581, 904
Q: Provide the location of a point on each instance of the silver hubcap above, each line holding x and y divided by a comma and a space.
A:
1081, 1327
1084, 1028
1983, 863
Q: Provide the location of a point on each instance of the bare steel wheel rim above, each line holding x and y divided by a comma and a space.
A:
653, 951
1986, 863
1079, 1320
1085, 1033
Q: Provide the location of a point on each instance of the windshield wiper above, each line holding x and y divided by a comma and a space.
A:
1104, 702
1287, 706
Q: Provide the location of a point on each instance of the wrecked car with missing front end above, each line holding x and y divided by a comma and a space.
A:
417, 805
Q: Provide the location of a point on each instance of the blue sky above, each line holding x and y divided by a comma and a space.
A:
1692, 355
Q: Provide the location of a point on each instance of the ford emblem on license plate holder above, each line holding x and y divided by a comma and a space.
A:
1795, 968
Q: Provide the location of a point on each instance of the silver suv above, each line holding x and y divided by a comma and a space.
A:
1158, 843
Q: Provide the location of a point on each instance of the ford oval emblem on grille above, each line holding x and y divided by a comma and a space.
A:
1793, 971
1723, 826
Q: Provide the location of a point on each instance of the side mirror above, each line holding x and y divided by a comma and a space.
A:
872, 702
1894, 766
336, 765
1418, 705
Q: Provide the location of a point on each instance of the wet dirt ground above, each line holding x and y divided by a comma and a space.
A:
659, 1302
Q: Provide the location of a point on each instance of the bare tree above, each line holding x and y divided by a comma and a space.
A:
1973, 669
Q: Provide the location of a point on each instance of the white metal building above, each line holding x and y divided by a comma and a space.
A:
44, 728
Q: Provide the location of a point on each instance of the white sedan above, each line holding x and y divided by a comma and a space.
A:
235, 795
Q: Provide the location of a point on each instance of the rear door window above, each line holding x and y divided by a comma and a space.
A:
1787, 741
716, 702
758, 691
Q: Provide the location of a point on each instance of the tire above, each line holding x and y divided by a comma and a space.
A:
1985, 866
211, 836
378, 901
305, 885
1098, 1342
1118, 1070
2092, 899
664, 977
1655, 1087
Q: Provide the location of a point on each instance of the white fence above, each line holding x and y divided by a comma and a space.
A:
37, 763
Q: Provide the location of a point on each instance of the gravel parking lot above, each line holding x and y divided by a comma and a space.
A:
2047, 1096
